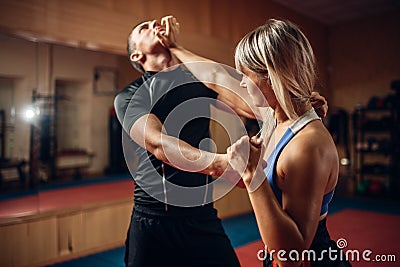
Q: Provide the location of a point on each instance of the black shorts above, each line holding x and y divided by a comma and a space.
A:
321, 242
159, 239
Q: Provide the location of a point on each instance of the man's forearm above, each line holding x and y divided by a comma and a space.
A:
183, 156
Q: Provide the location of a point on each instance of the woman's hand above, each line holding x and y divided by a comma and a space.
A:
246, 158
168, 38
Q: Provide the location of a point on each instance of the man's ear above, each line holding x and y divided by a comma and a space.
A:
136, 56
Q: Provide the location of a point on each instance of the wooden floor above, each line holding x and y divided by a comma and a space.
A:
365, 224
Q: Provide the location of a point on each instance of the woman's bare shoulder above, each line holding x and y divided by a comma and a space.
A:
312, 144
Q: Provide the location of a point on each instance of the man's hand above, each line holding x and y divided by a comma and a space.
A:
320, 104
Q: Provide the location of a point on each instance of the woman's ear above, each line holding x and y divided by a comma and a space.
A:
136, 56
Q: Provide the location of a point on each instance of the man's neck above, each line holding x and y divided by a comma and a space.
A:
159, 62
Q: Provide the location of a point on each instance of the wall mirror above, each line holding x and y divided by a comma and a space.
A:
57, 124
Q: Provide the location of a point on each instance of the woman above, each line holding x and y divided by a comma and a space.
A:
291, 205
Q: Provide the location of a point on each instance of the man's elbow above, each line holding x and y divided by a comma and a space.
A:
158, 152
157, 149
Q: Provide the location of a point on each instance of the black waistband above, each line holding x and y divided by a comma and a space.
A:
166, 211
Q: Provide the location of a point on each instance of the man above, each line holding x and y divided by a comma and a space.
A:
166, 112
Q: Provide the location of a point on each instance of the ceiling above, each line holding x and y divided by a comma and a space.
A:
332, 12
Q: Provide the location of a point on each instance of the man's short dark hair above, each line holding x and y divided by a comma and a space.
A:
130, 47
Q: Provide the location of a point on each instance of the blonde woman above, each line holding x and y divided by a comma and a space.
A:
290, 196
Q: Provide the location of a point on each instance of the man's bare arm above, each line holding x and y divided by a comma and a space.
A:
148, 132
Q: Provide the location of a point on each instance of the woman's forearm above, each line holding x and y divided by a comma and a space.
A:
185, 55
277, 229
217, 78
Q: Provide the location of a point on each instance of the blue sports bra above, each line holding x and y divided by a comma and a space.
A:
270, 170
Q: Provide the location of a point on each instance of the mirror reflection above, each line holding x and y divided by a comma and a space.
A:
56, 127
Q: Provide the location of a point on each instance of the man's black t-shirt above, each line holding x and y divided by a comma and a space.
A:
182, 104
